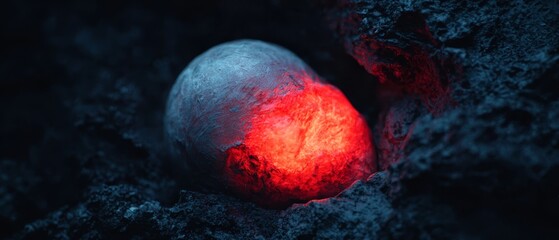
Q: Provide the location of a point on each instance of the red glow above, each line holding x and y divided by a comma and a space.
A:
305, 144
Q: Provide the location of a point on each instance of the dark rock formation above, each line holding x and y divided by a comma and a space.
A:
465, 116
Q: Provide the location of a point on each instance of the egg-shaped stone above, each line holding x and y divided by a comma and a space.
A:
256, 121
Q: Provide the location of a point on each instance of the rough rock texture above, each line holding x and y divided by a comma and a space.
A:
84, 84
488, 165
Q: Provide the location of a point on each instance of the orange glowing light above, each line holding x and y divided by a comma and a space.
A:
309, 143
252, 118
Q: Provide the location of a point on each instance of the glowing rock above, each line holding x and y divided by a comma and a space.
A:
257, 120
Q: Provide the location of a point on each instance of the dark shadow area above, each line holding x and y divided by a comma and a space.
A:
84, 85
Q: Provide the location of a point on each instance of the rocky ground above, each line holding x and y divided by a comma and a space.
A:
462, 98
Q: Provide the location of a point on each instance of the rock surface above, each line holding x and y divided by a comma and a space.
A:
473, 157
